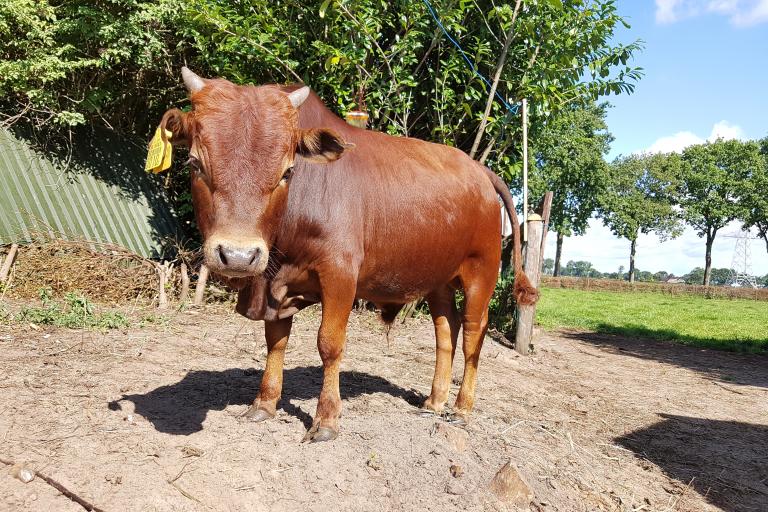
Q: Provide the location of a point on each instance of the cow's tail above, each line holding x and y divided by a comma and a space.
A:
525, 292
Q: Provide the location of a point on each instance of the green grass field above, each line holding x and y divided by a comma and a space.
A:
738, 325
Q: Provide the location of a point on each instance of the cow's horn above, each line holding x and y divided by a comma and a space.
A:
193, 82
298, 96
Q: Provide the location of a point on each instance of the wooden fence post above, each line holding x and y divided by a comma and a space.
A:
184, 293
8, 262
202, 279
533, 258
164, 271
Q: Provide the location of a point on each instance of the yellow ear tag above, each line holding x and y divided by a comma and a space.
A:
160, 152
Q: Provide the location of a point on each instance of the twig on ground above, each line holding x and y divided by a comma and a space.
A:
727, 388
184, 493
510, 427
63, 490
172, 481
181, 471
57, 352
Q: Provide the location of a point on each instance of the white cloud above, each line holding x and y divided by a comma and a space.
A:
665, 10
741, 13
674, 143
678, 142
727, 131
757, 14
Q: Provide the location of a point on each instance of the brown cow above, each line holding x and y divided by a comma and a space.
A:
395, 219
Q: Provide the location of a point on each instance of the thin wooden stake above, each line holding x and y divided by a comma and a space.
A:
202, 279
184, 293
525, 170
162, 272
8, 262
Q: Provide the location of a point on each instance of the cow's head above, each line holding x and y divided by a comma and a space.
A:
243, 142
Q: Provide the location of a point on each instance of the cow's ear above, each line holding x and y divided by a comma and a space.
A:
321, 146
179, 124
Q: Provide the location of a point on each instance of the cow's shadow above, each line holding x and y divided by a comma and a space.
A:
726, 462
181, 408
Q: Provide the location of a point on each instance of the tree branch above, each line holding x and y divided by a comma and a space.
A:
495, 84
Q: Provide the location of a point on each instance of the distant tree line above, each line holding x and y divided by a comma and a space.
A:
706, 187
718, 276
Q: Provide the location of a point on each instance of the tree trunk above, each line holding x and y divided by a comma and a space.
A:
558, 253
708, 257
632, 249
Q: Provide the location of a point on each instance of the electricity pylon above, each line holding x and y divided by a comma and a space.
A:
741, 265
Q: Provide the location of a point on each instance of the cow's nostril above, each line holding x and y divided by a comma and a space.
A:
239, 258
222, 255
255, 256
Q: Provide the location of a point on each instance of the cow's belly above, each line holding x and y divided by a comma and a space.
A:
417, 257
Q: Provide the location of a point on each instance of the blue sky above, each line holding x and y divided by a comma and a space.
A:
706, 76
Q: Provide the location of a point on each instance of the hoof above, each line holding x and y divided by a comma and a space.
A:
256, 415
455, 418
425, 412
318, 434
428, 409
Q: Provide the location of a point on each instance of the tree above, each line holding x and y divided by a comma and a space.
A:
720, 276
549, 266
116, 62
67, 63
638, 198
97, 61
568, 160
714, 176
580, 269
755, 198
644, 276
695, 276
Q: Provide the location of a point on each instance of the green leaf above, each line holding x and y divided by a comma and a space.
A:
556, 4
324, 7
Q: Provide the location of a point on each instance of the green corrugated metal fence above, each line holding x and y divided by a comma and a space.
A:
94, 188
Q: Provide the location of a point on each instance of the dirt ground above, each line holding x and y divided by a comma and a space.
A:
147, 419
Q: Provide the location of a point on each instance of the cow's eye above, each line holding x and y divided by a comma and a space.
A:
194, 164
287, 174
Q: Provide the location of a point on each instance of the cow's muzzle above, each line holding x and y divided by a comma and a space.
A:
236, 258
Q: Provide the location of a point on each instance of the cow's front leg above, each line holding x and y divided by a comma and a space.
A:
265, 405
337, 304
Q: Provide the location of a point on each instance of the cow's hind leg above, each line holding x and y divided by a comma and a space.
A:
445, 316
479, 280
265, 405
